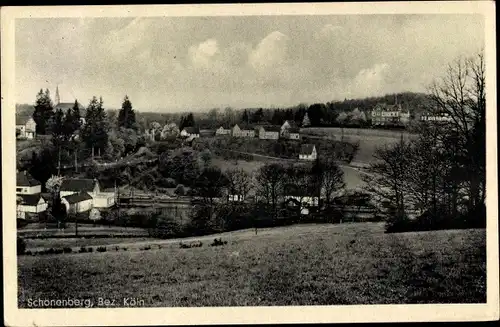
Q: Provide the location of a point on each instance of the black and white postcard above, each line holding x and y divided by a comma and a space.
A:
249, 163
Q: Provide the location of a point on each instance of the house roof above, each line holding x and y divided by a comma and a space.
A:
77, 197
245, 127
22, 119
294, 130
30, 199
224, 127
25, 179
292, 123
306, 148
78, 184
192, 130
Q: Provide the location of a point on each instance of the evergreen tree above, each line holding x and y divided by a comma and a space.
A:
59, 131
126, 115
245, 119
43, 112
258, 115
95, 130
187, 121
306, 122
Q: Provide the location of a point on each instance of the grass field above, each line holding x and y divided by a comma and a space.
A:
77, 242
297, 265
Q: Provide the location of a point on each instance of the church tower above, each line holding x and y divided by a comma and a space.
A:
57, 99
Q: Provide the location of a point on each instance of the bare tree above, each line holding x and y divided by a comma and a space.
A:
270, 179
239, 182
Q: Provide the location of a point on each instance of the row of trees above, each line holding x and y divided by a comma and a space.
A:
440, 175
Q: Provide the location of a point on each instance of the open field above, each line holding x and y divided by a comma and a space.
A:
83, 230
369, 139
34, 244
296, 265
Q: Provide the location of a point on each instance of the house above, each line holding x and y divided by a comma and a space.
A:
244, 131
100, 199
269, 132
223, 130
76, 185
233, 197
77, 202
30, 204
308, 152
436, 117
26, 184
25, 127
193, 132
389, 115
300, 196
290, 130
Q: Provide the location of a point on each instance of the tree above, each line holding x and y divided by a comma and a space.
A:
72, 121
239, 182
270, 179
244, 118
53, 184
126, 115
187, 121
43, 112
328, 177
206, 157
387, 178
170, 131
305, 121
95, 130
258, 116
461, 93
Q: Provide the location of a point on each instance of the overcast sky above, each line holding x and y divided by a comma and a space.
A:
194, 63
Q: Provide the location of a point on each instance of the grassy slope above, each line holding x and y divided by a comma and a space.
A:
298, 265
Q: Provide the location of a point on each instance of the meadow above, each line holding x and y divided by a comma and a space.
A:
298, 265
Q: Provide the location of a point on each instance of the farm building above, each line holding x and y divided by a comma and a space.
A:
30, 204
437, 117
223, 130
269, 132
26, 184
300, 196
292, 133
243, 131
384, 114
25, 127
71, 186
77, 202
308, 152
193, 132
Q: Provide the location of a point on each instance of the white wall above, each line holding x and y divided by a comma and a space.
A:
29, 189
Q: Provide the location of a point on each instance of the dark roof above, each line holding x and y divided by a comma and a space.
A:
192, 130
294, 130
78, 184
306, 148
292, 123
269, 128
22, 119
30, 199
25, 179
246, 127
77, 197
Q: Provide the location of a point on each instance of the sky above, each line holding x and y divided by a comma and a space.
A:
197, 63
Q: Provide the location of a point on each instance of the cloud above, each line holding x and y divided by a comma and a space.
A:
271, 51
203, 54
370, 81
328, 30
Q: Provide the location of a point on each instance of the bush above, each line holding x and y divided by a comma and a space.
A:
90, 250
21, 246
180, 191
67, 250
101, 249
218, 242
82, 250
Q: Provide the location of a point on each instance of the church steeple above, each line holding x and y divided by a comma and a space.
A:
57, 99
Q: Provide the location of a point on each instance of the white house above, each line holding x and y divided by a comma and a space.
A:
290, 130
25, 127
77, 202
223, 130
30, 204
193, 132
26, 184
235, 197
300, 196
384, 114
269, 132
308, 152
100, 199
438, 117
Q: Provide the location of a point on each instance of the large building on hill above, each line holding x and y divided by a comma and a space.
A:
389, 115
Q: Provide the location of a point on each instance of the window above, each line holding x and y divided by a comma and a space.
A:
19, 189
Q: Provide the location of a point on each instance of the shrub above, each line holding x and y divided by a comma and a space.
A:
82, 250
218, 242
101, 249
67, 250
116, 248
90, 250
148, 247
180, 191
28, 252
21, 246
